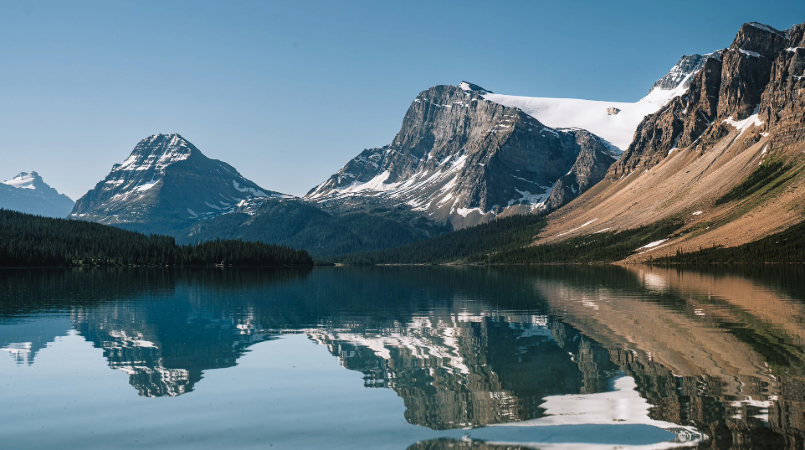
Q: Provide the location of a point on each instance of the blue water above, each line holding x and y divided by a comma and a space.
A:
421, 358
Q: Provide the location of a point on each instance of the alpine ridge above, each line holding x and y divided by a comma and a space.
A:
724, 159
462, 159
28, 193
465, 155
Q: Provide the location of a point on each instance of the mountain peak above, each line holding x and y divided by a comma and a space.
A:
27, 192
756, 39
157, 152
27, 180
765, 28
681, 73
470, 87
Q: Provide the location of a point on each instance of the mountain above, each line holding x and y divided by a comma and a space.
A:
713, 147
462, 159
165, 185
725, 159
28, 193
465, 155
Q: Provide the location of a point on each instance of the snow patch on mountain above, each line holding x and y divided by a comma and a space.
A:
743, 125
25, 180
253, 191
590, 115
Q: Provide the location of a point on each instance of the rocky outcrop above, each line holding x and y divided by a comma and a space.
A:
461, 159
28, 193
590, 167
747, 69
682, 73
680, 123
782, 105
726, 89
165, 184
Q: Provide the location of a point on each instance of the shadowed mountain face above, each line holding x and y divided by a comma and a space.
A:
717, 352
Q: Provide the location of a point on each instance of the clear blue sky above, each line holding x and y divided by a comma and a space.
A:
287, 92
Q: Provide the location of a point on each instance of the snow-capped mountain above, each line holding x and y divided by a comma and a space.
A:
463, 159
165, 184
465, 154
28, 193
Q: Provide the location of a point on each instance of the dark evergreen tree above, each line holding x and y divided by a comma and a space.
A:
34, 241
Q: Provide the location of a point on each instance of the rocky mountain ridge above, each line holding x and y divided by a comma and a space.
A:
28, 193
462, 159
725, 159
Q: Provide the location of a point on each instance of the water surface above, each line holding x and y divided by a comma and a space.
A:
421, 358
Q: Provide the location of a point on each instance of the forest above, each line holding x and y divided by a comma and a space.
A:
501, 234
33, 241
509, 241
784, 247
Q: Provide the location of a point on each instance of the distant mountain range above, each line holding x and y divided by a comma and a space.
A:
465, 155
28, 192
459, 159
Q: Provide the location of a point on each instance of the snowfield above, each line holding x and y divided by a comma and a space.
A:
592, 115
25, 180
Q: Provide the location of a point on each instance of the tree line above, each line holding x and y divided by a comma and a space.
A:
34, 241
498, 235
784, 247
510, 240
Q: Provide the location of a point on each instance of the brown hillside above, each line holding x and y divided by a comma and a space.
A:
729, 140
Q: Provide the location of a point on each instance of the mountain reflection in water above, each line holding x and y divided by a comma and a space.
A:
714, 357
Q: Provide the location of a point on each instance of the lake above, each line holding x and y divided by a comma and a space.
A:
551, 357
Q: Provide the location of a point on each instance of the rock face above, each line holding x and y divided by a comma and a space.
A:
682, 73
739, 112
747, 69
727, 89
28, 193
782, 104
166, 184
461, 159
677, 124
590, 167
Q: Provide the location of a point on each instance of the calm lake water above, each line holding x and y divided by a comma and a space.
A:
403, 358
